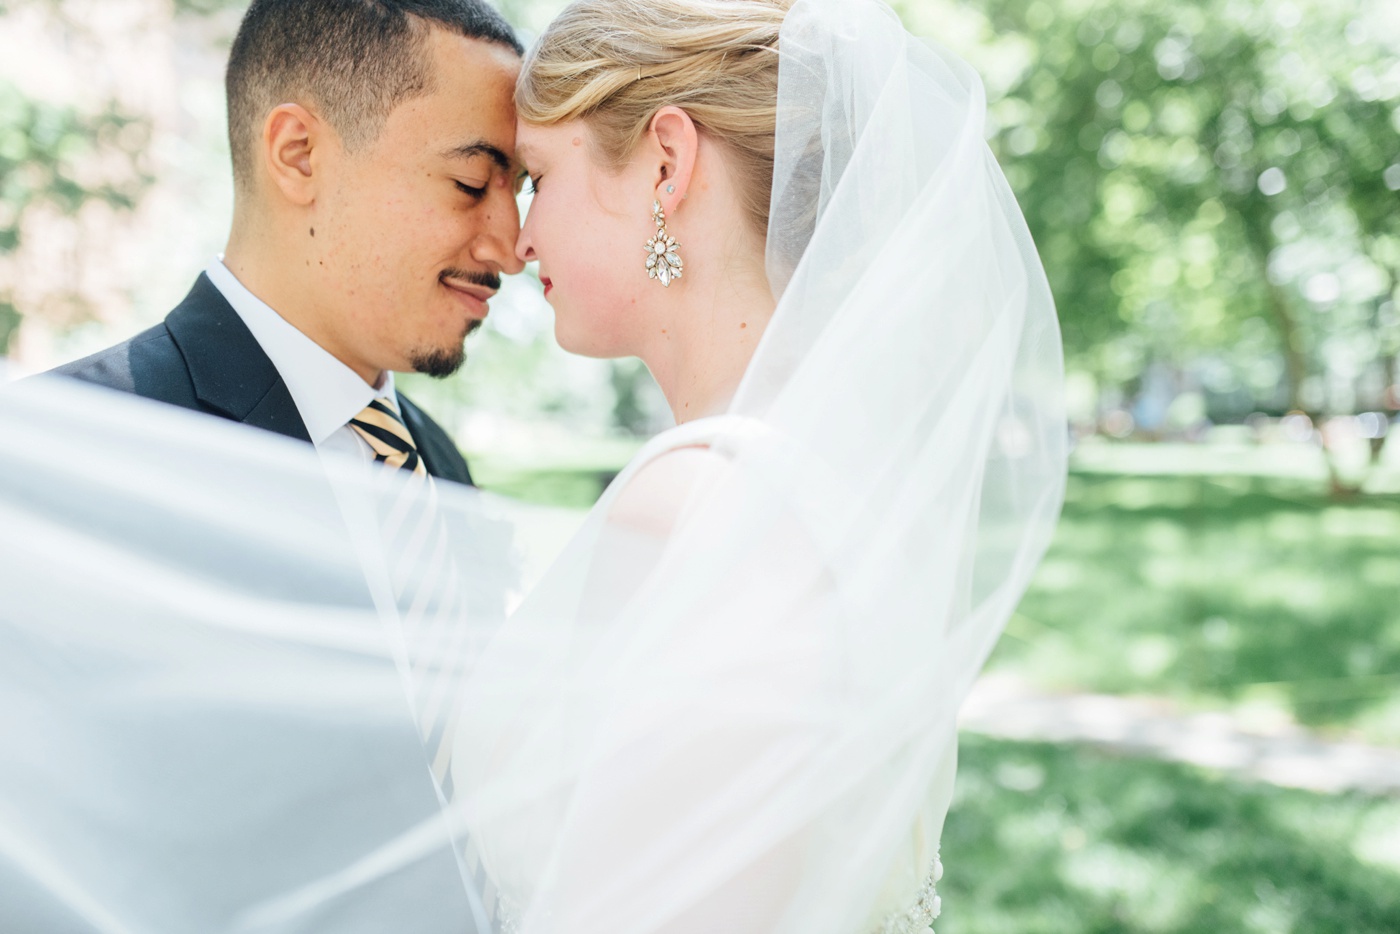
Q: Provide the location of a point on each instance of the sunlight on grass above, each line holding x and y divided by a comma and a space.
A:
1047, 839
1219, 589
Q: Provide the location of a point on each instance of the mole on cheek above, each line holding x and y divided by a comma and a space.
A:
313, 231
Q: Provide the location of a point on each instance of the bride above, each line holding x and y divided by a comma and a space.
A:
730, 703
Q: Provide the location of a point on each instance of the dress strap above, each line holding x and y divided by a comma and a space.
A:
719, 433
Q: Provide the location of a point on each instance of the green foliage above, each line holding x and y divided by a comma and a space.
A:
191, 7
53, 157
1190, 170
1059, 840
206, 7
9, 324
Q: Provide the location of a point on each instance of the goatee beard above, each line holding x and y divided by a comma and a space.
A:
442, 362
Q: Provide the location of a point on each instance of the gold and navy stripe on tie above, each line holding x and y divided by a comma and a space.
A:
383, 429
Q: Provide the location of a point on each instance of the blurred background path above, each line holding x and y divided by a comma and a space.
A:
1008, 708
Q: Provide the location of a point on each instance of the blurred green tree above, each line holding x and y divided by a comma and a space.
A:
54, 157
1211, 178
46, 155
1165, 156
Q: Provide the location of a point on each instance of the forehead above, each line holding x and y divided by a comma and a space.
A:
534, 143
472, 98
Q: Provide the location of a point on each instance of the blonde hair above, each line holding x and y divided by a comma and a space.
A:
615, 63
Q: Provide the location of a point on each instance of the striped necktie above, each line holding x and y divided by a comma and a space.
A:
432, 608
383, 429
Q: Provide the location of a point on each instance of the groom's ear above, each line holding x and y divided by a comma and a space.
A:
290, 140
675, 142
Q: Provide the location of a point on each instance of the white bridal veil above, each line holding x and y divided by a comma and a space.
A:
212, 719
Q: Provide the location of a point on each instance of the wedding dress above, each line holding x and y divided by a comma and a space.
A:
812, 680
742, 720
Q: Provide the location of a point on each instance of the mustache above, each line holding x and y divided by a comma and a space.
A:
487, 280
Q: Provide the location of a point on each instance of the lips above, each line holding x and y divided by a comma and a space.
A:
472, 297
548, 284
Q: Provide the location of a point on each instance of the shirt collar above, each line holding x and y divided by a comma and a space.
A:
327, 393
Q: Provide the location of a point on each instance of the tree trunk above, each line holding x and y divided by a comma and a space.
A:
1295, 372
1295, 363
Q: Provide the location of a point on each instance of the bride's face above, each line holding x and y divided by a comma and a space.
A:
587, 227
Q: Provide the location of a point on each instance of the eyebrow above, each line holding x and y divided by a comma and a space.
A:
480, 148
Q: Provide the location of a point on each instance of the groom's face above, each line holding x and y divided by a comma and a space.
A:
417, 227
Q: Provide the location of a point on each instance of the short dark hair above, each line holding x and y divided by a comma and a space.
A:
355, 59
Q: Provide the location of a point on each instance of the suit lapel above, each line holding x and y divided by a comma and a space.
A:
230, 372
415, 427
440, 457
233, 377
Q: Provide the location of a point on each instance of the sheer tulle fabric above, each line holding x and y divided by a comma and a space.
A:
202, 727
762, 733
748, 725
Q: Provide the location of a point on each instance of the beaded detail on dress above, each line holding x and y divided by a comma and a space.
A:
507, 916
927, 906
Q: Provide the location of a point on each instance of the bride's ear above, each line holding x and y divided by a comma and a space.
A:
676, 142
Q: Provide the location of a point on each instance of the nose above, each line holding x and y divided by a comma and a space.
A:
524, 244
496, 242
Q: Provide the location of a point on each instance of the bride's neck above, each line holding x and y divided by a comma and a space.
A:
714, 326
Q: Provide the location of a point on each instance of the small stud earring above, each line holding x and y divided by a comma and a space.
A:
663, 258
670, 189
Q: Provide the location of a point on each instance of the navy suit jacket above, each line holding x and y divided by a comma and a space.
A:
203, 357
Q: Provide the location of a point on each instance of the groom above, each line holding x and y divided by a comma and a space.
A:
374, 213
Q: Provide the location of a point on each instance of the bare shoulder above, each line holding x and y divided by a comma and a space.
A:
654, 497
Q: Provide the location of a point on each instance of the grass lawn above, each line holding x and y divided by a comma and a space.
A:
1223, 589
1044, 839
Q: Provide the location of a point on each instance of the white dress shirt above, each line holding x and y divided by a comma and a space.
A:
327, 393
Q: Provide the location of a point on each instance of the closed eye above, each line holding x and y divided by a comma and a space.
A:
469, 190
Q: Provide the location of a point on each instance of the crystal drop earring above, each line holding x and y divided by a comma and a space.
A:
663, 256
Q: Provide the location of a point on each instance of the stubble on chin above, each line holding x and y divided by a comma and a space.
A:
442, 362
